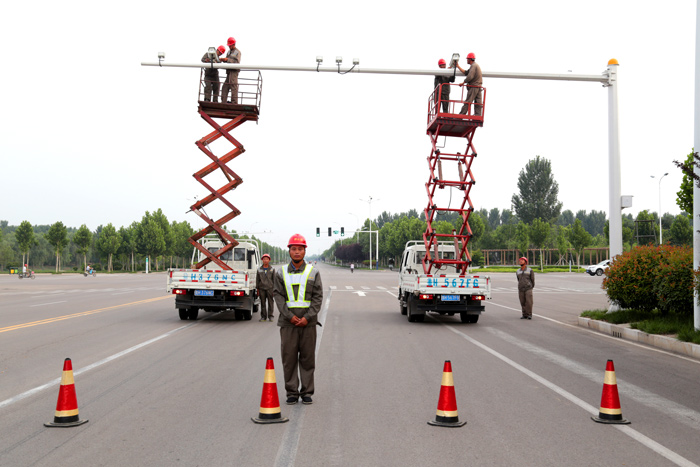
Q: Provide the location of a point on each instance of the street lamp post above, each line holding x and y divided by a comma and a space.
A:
661, 230
370, 232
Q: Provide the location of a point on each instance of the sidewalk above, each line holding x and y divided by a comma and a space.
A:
670, 344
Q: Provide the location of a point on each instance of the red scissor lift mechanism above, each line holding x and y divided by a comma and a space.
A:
450, 124
248, 109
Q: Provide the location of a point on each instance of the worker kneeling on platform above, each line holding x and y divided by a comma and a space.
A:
299, 296
211, 75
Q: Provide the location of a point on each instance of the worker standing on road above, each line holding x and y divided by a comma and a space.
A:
443, 94
299, 296
474, 81
352, 267
526, 282
231, 83
211, 76
265, 283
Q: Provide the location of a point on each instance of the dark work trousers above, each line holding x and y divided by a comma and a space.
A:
298, 359
211, 84
267, 304
474, 94
231, 84
526, 301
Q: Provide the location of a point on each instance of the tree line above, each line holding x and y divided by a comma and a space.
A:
536, 221
108, 248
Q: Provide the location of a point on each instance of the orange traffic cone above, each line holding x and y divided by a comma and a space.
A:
610, 410
269, 402
67, 405
447, 404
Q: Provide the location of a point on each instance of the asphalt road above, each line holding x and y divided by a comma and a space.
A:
161, 391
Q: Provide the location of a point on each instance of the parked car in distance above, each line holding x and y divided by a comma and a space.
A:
598, 269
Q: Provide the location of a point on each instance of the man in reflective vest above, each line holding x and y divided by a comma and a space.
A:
299, 296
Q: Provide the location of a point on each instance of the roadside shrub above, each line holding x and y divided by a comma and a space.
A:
477, 258
673, 282
117, 266
629, 280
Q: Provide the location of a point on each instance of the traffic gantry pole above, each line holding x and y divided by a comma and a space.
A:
696, 170
614, 176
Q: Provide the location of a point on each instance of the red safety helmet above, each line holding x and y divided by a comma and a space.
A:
221, 49
297, 240
442, 62
524, 258
471, 55
266, 255
231, 41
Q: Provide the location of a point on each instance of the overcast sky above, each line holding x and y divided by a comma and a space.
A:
88, 136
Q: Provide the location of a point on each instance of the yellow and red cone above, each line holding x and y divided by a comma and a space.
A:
447, 404
67, 406
270, 411
610, 410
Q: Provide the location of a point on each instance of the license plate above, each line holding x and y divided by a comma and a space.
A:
450, 298
203, 293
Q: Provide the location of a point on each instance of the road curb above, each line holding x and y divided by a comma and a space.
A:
662, 342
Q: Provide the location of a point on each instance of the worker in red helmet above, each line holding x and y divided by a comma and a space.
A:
442, 94
211, 75
526, 282
231, 83
473, 81
265, 283
299, 296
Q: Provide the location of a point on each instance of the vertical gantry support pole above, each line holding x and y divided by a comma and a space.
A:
696, 170
614, 173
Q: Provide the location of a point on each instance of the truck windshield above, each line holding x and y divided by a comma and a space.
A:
225, 257
239, 254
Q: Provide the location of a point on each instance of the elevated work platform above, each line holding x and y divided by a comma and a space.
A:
451, 170
247, 108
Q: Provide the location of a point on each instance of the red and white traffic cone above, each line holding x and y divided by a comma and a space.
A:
67, 406
610, 410
447, 404
270, 411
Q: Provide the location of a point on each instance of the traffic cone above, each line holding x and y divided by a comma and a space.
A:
610, 410
269, 402
67, 405
447, 404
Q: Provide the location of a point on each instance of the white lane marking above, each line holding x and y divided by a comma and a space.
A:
54, 382
349, 287
364, 288
333, 287
360, 294
631, 432
122, 293
287, 452
599, 334
677, 411
380, 287
43, 304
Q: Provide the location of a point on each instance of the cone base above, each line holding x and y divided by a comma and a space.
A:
64, 424
265, 421
619, 421
447, 424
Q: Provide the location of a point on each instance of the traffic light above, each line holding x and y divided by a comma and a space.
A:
342, 231
318, 231
329, 231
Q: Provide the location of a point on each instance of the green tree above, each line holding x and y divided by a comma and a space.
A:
181, 232
57, 236
82, 239
681, 231
522, 236
562, 242
579, 239
539, 233
538, 192
647, 228
150, 238
477, 224
108, 243
25, 239
685, 194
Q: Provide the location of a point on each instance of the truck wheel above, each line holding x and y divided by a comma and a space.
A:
466, 318
248, 314
183, 313
402, 305
411, 308
238, 314
192, 313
